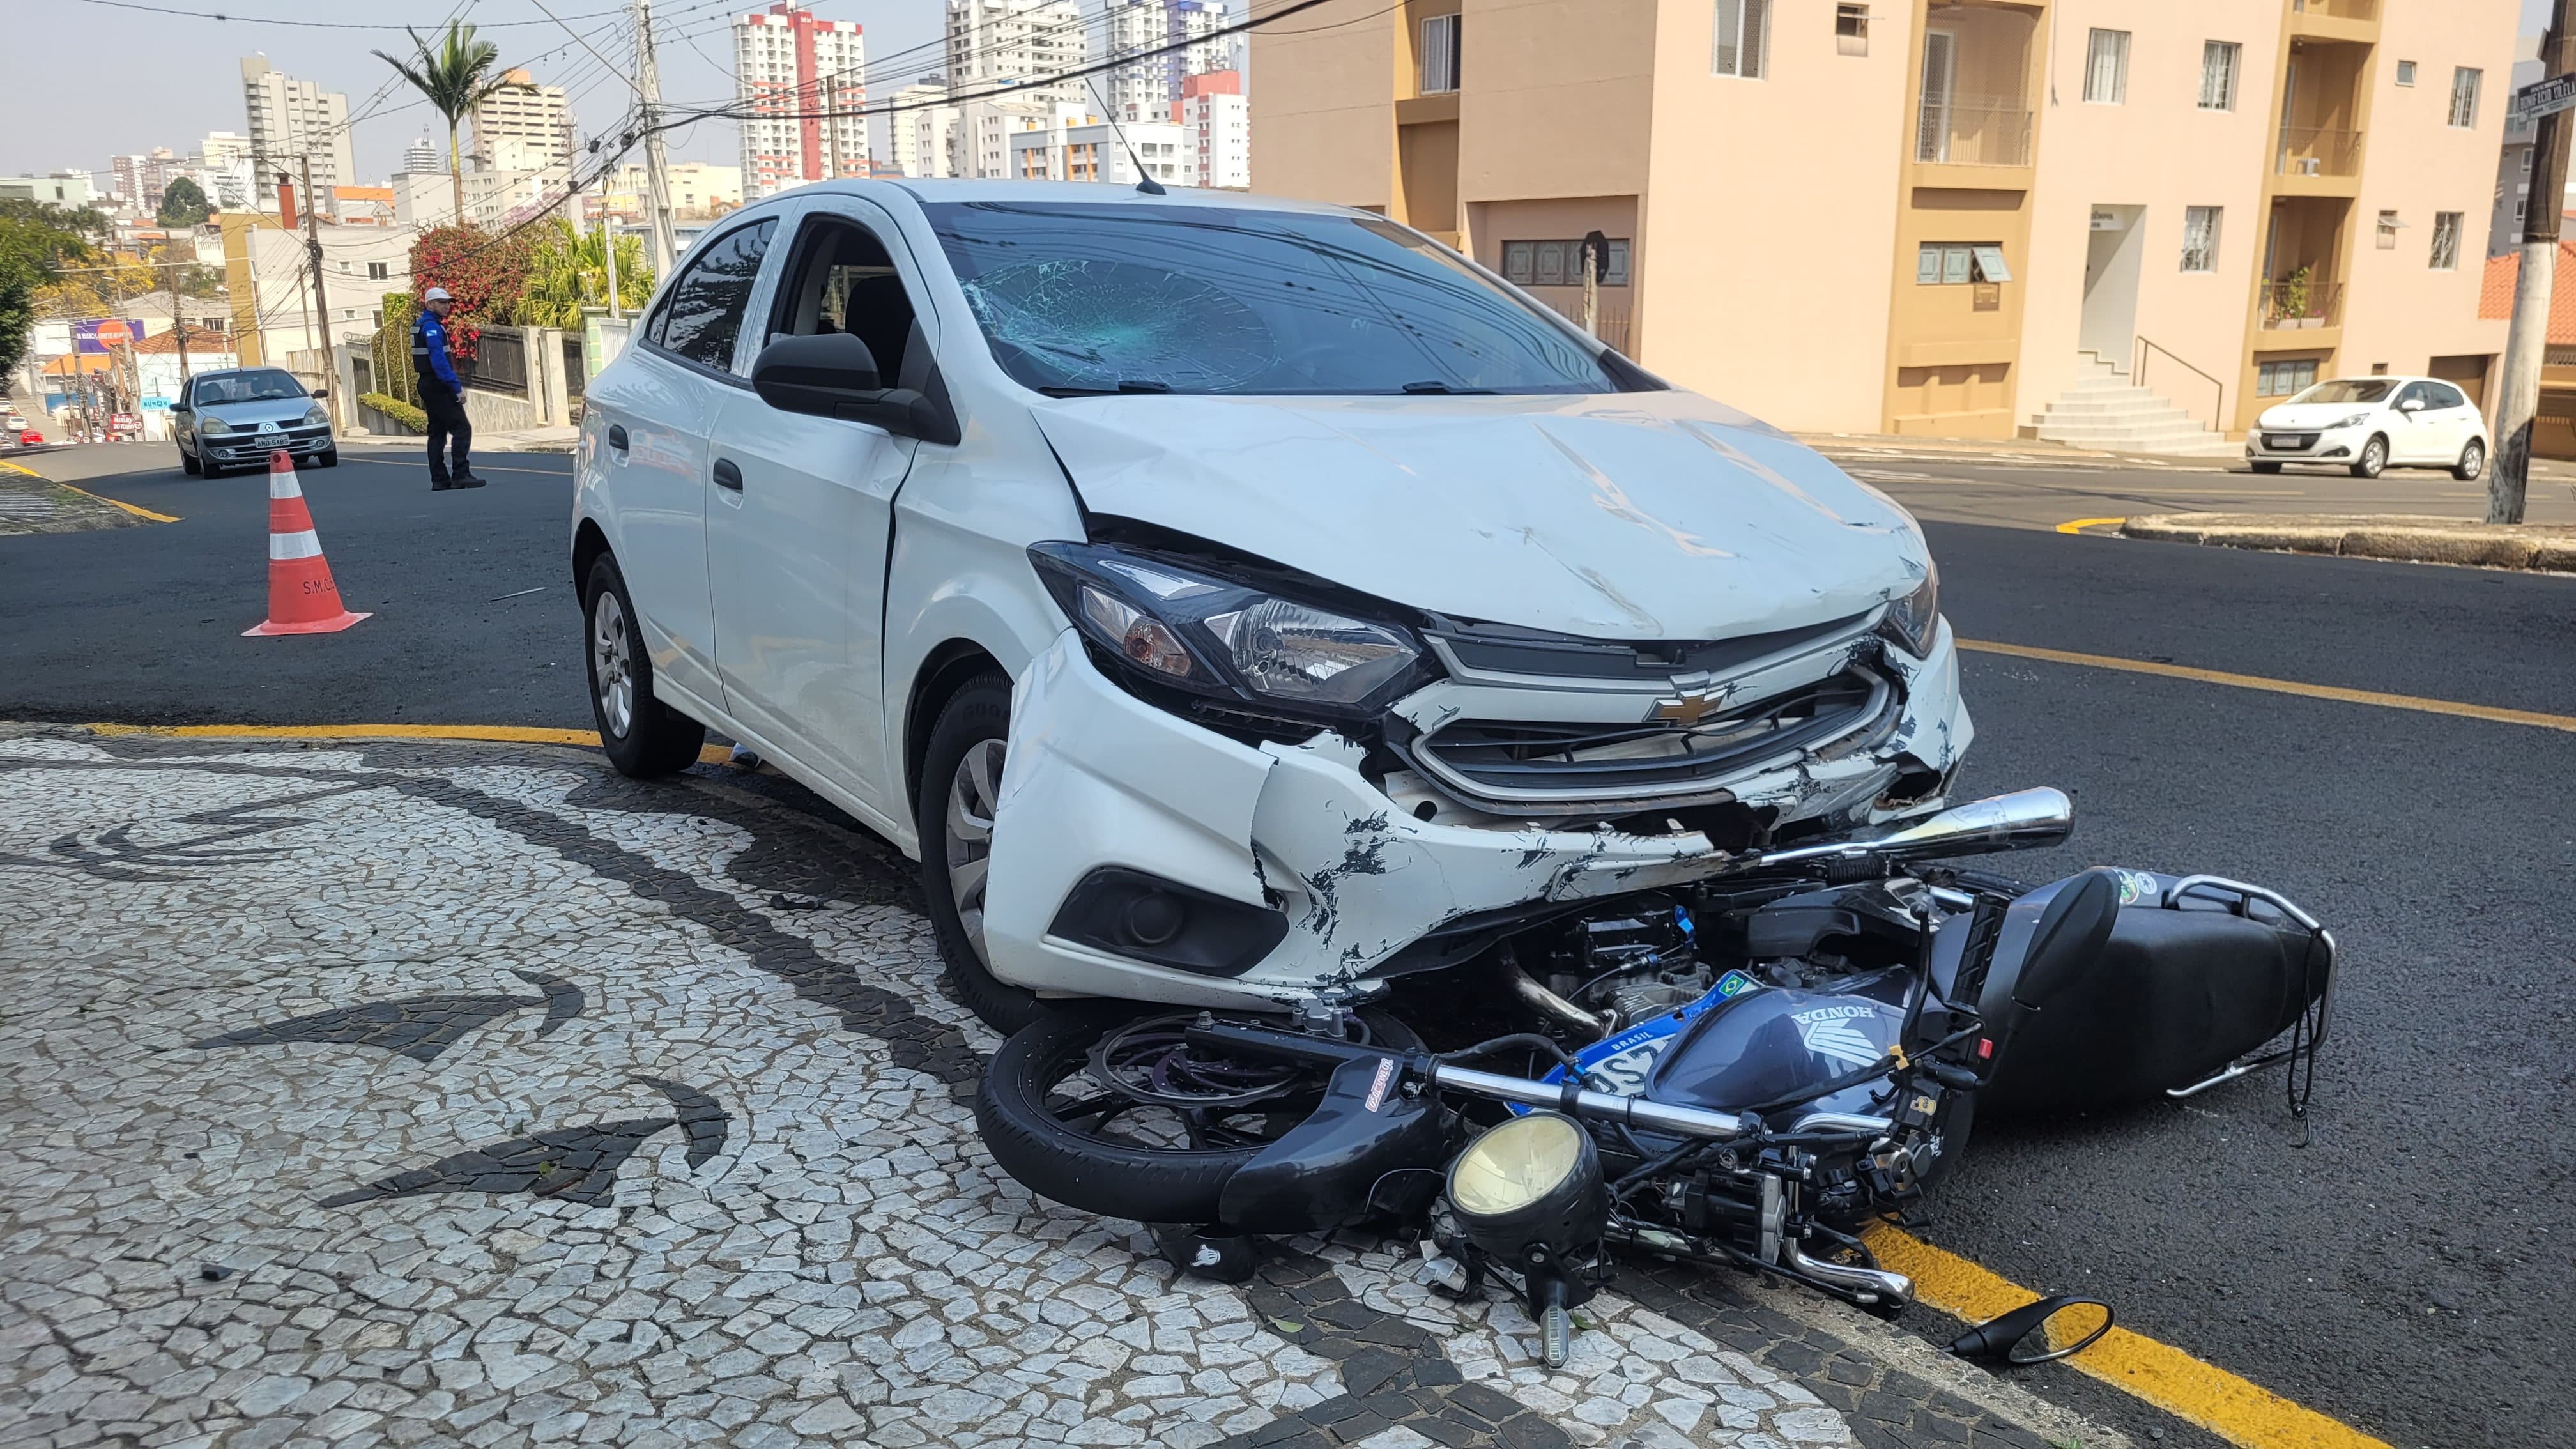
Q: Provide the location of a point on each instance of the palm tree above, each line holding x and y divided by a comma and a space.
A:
568, 271
456, 78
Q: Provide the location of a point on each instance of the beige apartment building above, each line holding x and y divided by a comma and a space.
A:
1970, 218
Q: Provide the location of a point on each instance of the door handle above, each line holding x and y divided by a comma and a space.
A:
617, 436
727, 475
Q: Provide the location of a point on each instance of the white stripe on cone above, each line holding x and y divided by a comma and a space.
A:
294, 545
283, 485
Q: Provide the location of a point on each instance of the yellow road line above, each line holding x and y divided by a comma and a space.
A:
14, 468
2078, 525
488, 734
2490, 713
2236, 1410
142, 513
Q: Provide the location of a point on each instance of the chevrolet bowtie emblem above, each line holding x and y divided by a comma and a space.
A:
1694, 699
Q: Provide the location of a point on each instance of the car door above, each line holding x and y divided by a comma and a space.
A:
802, 517
2457, 418
660, 413
2414, 432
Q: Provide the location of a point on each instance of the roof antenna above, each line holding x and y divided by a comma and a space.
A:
1148, 185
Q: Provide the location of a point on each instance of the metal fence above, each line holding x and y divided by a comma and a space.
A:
501, 362
1973, 131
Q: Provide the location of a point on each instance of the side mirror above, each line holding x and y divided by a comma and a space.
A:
2071, 935
2411, 405
320, 393
2022, 820
834, 375
2042, 1332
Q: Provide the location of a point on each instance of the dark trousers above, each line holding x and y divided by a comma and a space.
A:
448, 429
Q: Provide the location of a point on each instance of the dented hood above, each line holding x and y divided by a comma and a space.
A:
1655, 515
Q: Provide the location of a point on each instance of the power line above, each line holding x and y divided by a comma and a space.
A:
314, 24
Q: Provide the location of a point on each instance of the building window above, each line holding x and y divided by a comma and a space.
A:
2406, 72
2200, 238
1439, 55
1560, 263
2218, 74
2106, 68
2280, 379
375, 271
2517, 212
2446, 241
1851, 30
2388, 227
1955, 264
1743, 38
2464, 96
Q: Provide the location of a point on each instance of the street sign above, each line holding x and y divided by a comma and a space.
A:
2543, 98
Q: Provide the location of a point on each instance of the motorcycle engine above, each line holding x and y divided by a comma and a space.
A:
1631, 966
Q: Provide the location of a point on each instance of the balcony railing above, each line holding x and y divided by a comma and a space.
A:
2288, 305
2319, 151
2364, 10
1973, 132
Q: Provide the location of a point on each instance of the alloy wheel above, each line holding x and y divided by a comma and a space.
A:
972, 794
612, 674
2374, 458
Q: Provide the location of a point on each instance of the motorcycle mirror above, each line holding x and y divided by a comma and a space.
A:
2022, 820
2071, 935
2040, 1332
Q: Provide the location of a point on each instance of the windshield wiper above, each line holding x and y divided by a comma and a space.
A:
1442, 387
1125, 384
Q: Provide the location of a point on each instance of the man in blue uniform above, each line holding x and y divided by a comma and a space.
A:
441, 396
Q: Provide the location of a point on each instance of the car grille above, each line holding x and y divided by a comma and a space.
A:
1510, 765
2289, 442
1471, 650
295, 437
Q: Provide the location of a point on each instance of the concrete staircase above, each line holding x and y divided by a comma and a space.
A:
2104, 411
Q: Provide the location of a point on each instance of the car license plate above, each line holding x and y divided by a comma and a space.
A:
2284, 440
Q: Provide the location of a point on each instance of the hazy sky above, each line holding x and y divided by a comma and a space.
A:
85, 81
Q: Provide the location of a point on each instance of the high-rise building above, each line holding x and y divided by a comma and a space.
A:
532, 122
223, 148
802, 80
292, 121
920, 131
1216, 118
140, 180
994, 44
1145, 88
421, 157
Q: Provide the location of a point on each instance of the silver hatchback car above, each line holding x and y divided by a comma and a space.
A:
238, 417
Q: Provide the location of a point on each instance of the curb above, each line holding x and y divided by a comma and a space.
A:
2404, 538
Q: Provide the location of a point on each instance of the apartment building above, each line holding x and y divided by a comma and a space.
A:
268, 283
2096, 219
1146, 87
527, 127
1217, 116
1017, 44
292, 121
803, 81
917, 134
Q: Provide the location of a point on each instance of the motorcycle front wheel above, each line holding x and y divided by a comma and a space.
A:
1106, 1108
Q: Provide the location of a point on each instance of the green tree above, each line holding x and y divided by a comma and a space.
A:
456, 77
36, 243
568, 271
183, 204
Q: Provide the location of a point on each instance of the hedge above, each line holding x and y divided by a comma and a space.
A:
398, 410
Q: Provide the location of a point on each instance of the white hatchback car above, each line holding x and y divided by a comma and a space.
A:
2372, 424
1231, 602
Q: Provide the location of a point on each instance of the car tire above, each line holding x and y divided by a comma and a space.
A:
2473, 462
327, 458
2267, 468
188, 463
643, 737
2373, 460
960, 776
1113, 1177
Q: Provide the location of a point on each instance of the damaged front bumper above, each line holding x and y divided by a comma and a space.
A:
1140, 856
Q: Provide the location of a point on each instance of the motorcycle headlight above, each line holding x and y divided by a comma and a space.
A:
1535, 1179
2356, 420
1177, 624
1914, 619
211, 424
317, 417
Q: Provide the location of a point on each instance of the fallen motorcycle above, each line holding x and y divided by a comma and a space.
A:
1741, 1072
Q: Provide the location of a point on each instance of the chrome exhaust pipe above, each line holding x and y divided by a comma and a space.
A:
1548, 1003
1869, 1285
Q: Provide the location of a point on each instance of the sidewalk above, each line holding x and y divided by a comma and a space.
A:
525, 440
2411, 538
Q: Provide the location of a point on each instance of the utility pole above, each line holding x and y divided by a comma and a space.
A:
648, 89
170, 279
321, 296
2526, 346
608, 250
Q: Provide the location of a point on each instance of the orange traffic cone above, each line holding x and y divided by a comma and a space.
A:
301, 597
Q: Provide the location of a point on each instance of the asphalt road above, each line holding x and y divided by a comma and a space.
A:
2400, 1262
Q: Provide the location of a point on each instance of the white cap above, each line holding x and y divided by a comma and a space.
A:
436, 294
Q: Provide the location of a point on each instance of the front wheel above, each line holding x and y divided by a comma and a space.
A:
188, 463
2267, 468
327, 458
2373, 460
1104, 1106
643, 736
2473, 462
961, 786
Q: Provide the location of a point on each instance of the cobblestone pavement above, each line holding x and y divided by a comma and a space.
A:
422, 1093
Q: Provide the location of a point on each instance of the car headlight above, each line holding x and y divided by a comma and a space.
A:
213, 425
317, 417
1179, 625
2356, 420
1914, 619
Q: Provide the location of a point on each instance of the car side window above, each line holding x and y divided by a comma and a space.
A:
2414, 393
704, 316
843, 280
2446, 396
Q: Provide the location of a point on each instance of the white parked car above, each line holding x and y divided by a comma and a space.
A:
2372, 424
1230, 601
